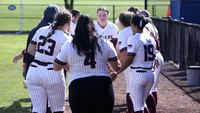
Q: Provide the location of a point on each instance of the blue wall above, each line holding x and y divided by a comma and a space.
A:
188, 9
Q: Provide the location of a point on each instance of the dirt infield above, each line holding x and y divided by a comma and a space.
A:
174, 96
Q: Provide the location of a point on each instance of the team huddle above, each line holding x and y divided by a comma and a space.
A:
93, 54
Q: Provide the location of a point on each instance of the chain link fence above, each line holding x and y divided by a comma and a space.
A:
32, 13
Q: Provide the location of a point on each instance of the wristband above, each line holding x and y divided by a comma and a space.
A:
23, 66
23, 52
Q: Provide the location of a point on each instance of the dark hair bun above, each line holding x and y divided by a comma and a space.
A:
139, 20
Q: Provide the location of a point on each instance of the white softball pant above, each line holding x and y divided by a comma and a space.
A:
126, 74
43, 83
157, 71
140, 85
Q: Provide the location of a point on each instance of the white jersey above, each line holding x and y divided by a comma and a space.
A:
109, 32
49, 51
122, 43
123, 38
143, 46
89, 65
41, 76
151, 30
73, 26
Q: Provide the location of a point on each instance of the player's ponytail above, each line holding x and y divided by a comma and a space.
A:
61, 19
85, 39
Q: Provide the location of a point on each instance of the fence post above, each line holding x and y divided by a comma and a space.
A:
113, 13
168, 40
21, 19
153, 9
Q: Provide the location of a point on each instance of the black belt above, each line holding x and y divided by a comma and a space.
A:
42, 63
140, 68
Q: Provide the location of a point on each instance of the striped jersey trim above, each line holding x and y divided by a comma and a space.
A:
60, 62
131, 54
123, 49
112, 59
33, 42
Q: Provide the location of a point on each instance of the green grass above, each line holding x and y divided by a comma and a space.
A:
33, 10
13, 97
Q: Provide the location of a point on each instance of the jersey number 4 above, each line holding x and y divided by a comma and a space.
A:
90, 60
148, 53
50, 48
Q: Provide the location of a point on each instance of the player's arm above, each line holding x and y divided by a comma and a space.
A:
57, 66
19, 56
122, 56
127, 62
61, 60
32, 49
114, 65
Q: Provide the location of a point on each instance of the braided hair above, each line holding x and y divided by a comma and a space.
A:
61, 18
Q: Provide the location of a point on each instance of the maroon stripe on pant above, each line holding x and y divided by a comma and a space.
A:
151, 103
155, 95
129, 103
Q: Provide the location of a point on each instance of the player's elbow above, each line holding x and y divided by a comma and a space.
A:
56, 67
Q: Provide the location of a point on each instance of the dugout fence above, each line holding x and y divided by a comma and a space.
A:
179, 41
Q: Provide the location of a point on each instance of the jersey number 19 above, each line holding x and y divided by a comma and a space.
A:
148, 53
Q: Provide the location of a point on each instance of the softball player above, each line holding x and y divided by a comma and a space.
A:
151, 29
124, 34
134, 9
140, 55
90, 86
75, 15
104, 27
42, 81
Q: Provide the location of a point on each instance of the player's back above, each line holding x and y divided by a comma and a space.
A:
123, 37
91, 64
151, 29
49, 51
145, 50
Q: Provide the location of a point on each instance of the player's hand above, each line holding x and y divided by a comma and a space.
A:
113, 76
156, 63
16, 58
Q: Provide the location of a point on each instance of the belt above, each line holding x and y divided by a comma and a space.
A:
42, 63
140, 68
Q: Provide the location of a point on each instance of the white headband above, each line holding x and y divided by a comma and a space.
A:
140, 23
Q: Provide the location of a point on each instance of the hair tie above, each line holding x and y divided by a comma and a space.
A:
140, 23
54, 23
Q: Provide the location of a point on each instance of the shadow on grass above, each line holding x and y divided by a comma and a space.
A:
16, 107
